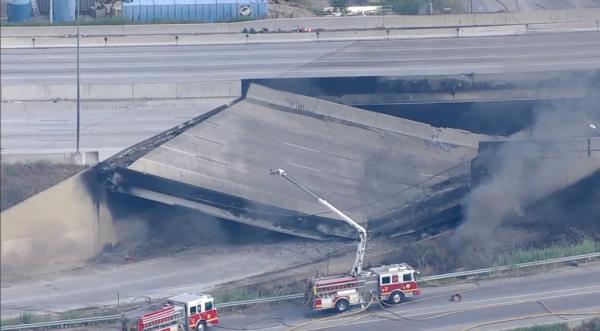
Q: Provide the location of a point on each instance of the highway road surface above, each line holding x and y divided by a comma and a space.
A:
352, 58
106, 127
568, 291
107, 284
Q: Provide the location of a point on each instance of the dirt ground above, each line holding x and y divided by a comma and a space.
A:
20, 181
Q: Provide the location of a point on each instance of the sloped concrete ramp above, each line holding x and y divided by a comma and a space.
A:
363, 162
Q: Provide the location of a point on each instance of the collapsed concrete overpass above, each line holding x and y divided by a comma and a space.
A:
392, 174
367, 163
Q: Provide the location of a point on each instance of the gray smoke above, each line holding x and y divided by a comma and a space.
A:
539, 161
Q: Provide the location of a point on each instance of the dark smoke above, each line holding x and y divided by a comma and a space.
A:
522, 173
146, 229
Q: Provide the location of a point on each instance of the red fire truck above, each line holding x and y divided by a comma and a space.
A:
186, 311
391, 283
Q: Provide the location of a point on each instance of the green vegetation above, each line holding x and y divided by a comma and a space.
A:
591, 325
530, 255
432, 257
341, 4
25, 318
547, 327
406, 7
412, 7
258, 291
20, 181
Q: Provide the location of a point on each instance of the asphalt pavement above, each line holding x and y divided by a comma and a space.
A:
106, 127
569, 291
525, 53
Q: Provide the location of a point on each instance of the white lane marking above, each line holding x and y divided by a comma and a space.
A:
196, 156
13, 121
441, 313
204, 53
511, 297
302, 166
302, 147
202, 138
150, 119
436, 176
187, 64
321, 71
156, 129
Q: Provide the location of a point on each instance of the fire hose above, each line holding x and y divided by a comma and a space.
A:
384, 306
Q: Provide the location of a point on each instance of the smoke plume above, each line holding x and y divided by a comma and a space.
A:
537, 162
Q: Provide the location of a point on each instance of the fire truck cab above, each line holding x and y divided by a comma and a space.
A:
396, 282
392, 283
199, 310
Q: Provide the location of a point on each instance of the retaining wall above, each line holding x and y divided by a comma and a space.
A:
63, 225
123, 91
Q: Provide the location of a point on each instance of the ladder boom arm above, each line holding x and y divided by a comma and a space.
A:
362, 232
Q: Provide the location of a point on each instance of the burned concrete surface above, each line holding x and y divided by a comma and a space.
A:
366, 163
494, 104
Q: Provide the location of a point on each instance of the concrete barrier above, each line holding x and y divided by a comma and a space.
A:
423, 33
85, 158
327, 23
209, 89
482, 31
23, 92
65, 224
123, 91
218, 39
154, 91
564, 27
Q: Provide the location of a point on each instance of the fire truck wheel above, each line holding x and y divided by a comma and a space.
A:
201, 326
341, 305
396, 297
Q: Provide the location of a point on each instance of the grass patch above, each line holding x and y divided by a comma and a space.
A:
20, 181
258, 291
548, 327
591, 325
25, 318
555, 251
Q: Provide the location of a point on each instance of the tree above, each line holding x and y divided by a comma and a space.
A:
407, 7
339, 4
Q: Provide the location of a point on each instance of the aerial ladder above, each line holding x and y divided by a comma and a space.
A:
362, 233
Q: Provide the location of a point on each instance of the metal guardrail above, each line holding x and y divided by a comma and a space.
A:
62, 323
476, 272
509, 267
262, 300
